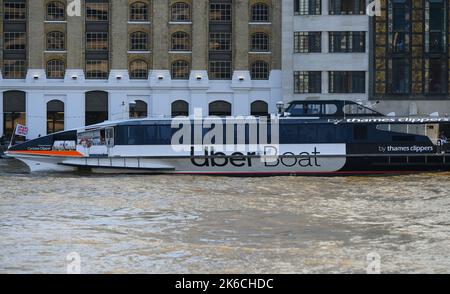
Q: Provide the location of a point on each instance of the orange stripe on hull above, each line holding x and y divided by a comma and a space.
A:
49, 153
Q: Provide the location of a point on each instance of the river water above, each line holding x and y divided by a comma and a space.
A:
195, 224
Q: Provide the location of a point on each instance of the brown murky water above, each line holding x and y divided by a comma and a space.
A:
187, 224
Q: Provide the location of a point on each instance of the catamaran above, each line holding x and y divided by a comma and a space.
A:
308, 138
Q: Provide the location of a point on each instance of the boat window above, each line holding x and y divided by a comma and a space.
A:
329, 109
305, 109
92, 138
350, 109
416, 129
144, 135
360, 132
312, 109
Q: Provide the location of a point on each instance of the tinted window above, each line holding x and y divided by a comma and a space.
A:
144, 135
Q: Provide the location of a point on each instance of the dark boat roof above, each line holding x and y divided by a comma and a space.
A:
329, 108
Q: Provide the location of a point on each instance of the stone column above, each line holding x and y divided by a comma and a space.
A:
325, 7
75, 40
119, 34
325, 82
36, 35
276, 34
200, 35
75, 110
160, 35
118, 105
36, 110
241, 31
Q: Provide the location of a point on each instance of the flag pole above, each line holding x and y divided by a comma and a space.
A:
12, 137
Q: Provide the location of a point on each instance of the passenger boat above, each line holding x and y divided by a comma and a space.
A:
308, 138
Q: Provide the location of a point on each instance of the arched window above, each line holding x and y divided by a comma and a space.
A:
260, 42
138, 11
138, 109
96, 103
55, 69
259, 108
180, 108
260, 70
181, 42
220, 108
260, 13
56, 41
55, 116
139, 69
139, 41
180, 70
56, 11
180, 12
14, 111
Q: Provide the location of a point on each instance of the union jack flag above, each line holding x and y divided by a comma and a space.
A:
21, 130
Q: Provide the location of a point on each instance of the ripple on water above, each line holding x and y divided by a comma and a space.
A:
192, 224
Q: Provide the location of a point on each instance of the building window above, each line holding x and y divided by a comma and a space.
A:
180, 70
260, 13
138, 109
15, 11
55, 116
55, 41
55, 69
435, 28
347, 42
220, 108
220, 41
139, 41
220, 70
220, 12
56, 11
399, 29
180, 12
14, 69
15, 41
399, 81
97, 11
307, 42
181, 42
96, 69
259, 108
260, 70
307, 82
139, 70
436, 69
308, 7
347, 7
180, 108
260, 42
14, 111
96, 107
347, 82
138, 12
97, 41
